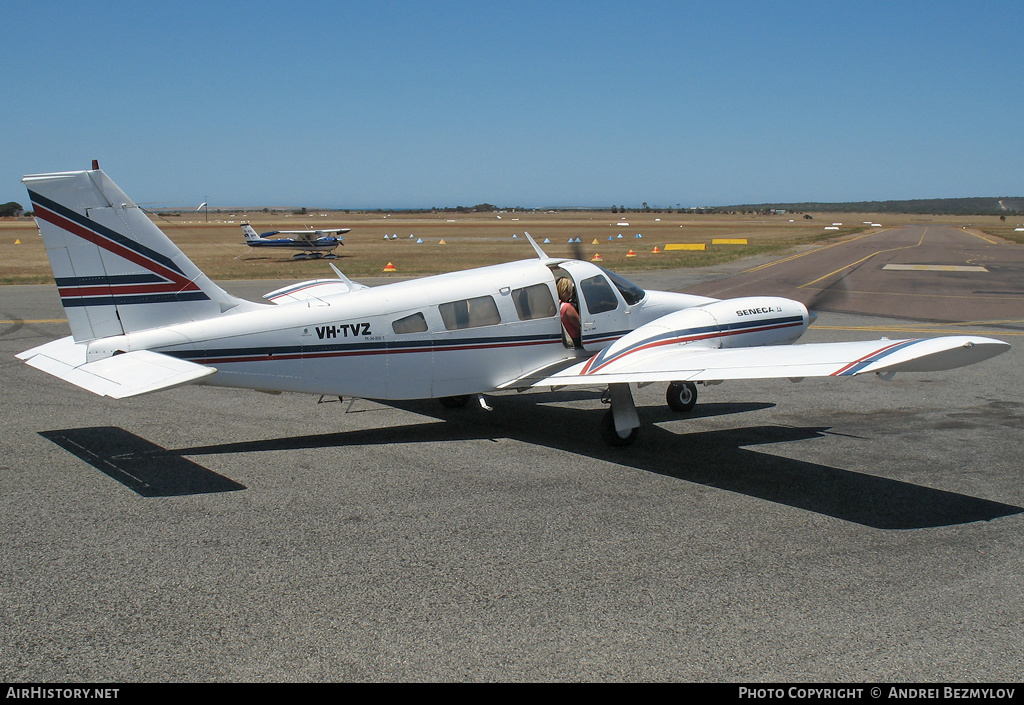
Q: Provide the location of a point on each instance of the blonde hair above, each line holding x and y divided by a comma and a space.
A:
565, 288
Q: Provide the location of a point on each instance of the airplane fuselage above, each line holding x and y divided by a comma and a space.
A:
317, 245
144, 318
453, 334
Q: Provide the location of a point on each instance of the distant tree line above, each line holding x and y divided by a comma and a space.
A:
922, 206
478, 208
1008, 205
927, 206
644, 208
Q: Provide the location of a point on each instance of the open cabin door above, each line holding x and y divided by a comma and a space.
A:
604, 314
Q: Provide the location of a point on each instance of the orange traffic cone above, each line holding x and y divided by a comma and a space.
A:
631, 254
655, 250
596, 258
390, 268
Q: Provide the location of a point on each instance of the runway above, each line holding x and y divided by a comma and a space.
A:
847, 530
932, 272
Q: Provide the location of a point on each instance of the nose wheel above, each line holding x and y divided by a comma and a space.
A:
620, 424
611, 435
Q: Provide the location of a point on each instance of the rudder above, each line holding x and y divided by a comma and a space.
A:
250, 234
116, 271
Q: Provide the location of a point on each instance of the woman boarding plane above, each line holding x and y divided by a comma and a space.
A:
568, 311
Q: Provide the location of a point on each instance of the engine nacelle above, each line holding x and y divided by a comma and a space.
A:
731, 323
758, 320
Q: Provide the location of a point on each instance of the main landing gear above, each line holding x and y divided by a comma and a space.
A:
620, 425
314, 255
454, 402
462, 400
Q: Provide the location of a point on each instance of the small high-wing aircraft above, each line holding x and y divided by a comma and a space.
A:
144, 318
313, 243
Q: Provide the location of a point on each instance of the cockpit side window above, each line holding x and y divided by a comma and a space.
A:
598, 295
630, 291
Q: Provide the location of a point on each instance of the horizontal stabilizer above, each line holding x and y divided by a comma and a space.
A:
120, 376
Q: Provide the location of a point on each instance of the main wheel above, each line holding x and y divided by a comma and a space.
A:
610, 436
681, 396
455, 402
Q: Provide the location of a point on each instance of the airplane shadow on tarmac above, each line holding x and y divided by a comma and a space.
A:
725, 459
139, 465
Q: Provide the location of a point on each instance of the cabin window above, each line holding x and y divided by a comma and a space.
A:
470, 313
598, 294
415, 323
534, 302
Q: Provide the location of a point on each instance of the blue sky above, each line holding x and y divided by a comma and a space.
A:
420, 104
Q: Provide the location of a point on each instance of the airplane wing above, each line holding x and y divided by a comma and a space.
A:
686, 363
120, 376
309, 233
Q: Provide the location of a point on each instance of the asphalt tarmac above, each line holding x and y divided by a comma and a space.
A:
838, 530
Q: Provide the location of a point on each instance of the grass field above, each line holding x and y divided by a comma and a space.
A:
451, 242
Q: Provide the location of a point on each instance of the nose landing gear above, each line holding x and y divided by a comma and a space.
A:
681, 396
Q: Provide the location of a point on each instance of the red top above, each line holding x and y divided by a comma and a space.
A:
571, 320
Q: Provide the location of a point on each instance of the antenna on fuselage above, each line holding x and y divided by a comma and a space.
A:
536, 247
352, 286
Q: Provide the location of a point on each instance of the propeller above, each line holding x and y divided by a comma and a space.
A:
828, 297
577, 249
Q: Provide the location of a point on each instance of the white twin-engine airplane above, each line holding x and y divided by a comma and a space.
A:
313, 243
144, 318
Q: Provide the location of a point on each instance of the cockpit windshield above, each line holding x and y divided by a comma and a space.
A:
630, 291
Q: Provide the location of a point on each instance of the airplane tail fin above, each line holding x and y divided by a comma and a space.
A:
249, 233
116, 271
